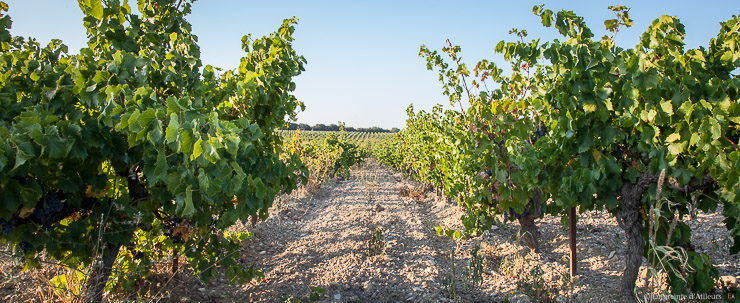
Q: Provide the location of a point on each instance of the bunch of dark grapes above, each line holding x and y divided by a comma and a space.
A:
619, 156
500, 143
7, 226
486, 175
540, 132
25, 246
177, 239
513, 213
51, 207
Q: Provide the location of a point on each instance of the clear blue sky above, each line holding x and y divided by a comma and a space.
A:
363, 65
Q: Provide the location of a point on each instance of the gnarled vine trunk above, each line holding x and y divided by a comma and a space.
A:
528, 231
100, 272
631, 221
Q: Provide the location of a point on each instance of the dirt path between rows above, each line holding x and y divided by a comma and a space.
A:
359, 239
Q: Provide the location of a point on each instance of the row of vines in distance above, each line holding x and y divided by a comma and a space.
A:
584, 122
325, 154
354, 136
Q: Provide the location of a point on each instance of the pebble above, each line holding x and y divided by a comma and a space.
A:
338, 297
367, 286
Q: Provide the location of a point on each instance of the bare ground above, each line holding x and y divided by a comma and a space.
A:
371, 238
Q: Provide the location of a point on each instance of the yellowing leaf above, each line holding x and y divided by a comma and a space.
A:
597, 155
197, 149
90, 193
25, 212
589, 108
667, 107
673, 137
182, 230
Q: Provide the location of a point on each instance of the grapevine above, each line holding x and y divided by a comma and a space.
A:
133, 148
583, 122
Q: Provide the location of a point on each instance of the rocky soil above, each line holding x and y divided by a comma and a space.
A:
371, 238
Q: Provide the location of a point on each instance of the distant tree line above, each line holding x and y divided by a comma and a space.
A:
335, 127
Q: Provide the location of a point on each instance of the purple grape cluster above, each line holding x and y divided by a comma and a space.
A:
25, 246
540, 132
52, 206
487, 174
513, 213
620, 156
7, 226
500, 143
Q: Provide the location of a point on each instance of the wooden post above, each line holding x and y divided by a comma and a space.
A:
573, 258
175, 260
